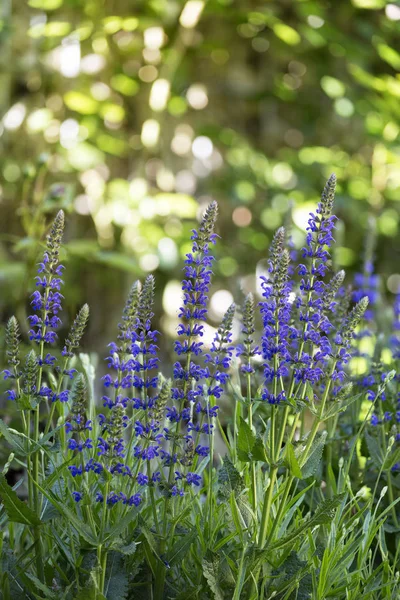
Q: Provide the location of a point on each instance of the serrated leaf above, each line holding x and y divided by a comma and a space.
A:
18, 442
259, 452
121, 525
181, 547
89, 593
48, 593
310, 396
341, 406
23, 445
17, 511
81, 527
326, 511
127, 549
116, 578
229, 479
63, 547
245, 441
211, 564
311, 465
292, 462
324, 514
49, 511
23, 402
374, 450
392, 459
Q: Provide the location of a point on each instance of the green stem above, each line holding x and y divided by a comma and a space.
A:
102, 554
252, 464
391, 498
319, 418
281, 508
36, 502
267, 506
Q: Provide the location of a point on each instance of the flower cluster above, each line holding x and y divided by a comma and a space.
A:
315, 301
187, 391
275, 313
46, 301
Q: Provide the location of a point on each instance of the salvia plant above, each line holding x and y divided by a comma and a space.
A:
264, 465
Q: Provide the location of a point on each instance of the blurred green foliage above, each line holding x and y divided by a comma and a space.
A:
132, 115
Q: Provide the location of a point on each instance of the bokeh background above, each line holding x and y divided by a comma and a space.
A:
133, 115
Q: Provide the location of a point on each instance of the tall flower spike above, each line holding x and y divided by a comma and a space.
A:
276, 249
327, 197
144, 350
220, 355
193, 313
77, 418
77, 330
54, 239
206, 234
48, 302
12, 353
112, 445
146, 301
157, 412
129, 317
247, 350
12, 343
275, 312
331, 290
316, 325
344, 337
29, 375
343, 305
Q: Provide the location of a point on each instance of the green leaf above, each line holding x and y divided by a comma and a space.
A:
374, 449
48, 593
89, 593
311, 464
292, 462
229, 479
259, 452
149, 546
116, 578
181, 547
18, 442
17, 511
310, 396
392, 459
337, 407
81, 528
63, 547
24, 446
23, 402
123, 548
324, 514
211, 565
245, 441
49, 511
121, 525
